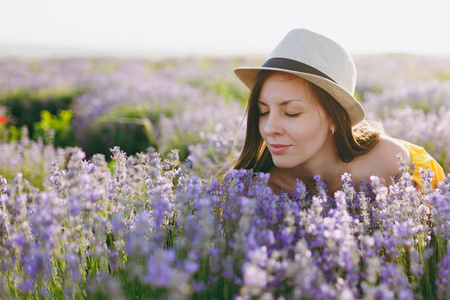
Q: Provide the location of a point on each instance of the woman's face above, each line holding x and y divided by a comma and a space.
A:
293, 124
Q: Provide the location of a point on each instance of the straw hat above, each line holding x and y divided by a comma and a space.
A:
317, 59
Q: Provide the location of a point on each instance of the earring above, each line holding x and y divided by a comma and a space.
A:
332, 130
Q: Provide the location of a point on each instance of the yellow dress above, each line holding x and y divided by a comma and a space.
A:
421, 159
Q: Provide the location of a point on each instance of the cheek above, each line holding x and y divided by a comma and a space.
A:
261, 124
319, 121
312, 128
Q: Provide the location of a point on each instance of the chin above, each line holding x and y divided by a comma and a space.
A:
283, 164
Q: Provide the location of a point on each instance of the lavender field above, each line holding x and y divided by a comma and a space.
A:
108, 188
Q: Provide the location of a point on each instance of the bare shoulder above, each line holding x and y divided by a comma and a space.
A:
383, 158
389, 148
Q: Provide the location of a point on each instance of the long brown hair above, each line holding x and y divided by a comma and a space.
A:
350, 142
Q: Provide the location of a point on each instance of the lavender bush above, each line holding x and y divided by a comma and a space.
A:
151, 229
31, 159
134, 103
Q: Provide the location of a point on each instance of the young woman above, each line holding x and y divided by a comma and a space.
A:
302, 120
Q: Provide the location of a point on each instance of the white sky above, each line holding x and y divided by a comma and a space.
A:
225, 27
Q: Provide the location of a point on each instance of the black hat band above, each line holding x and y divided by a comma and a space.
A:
293, 65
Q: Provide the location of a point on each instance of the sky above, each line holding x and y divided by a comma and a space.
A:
228, 27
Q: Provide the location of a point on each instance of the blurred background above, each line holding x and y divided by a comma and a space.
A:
157, 75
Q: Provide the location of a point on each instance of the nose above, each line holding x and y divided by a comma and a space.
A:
272, 125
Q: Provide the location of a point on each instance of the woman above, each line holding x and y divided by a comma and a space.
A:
304, 121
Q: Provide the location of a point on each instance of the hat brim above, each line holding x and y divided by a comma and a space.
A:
354, 109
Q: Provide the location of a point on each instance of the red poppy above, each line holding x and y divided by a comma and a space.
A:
3, 120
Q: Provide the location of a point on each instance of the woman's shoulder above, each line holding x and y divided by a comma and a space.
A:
389, 149
383, 160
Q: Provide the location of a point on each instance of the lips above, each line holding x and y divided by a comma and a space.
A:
278, 148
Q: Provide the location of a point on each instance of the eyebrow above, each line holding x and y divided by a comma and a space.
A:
282, 103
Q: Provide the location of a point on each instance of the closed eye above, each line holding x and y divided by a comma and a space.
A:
292, 115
